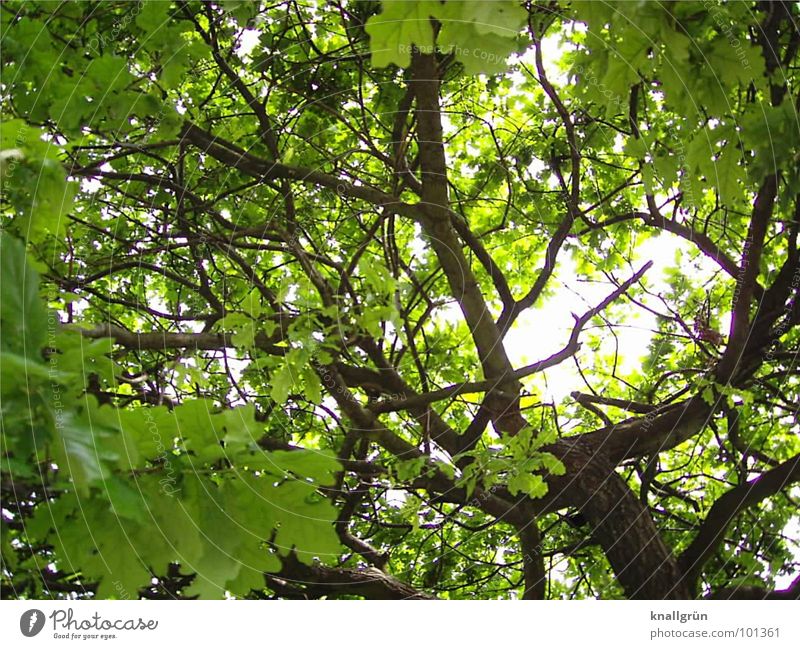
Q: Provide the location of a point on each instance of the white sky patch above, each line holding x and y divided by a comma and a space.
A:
395, 497
536, 167
418, 247
248, 40
91, 185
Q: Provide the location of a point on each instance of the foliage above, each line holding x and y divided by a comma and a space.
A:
286, 296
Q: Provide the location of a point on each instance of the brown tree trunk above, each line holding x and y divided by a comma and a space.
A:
622, 526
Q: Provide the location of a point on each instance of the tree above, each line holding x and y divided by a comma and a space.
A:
261, 263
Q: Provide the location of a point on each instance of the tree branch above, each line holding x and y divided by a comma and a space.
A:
530, 541
703, 242
163, 340
437, 224
623, 527
754, 592
233, 156
316, 581
745, 285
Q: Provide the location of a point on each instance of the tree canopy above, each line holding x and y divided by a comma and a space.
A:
340, 299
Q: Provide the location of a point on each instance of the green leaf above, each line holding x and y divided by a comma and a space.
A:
553, 465
409, 469
282, 382
146, 433
125, 500
33, 180
238, 427
504, 18
23, 316
153, 15
242, 328
196, 425
80, 451
530, 484
399, 26
487, 58
319, 466
305, 523
312, 385
481, 34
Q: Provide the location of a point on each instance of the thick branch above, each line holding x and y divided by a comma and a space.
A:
622, 525
162, 340
745, 286
495, 274
298, 579
233, 156
438, 227
623, 404
659, 430
367, 426
703, 242
532, 561
508, 315
754, 592
572, 199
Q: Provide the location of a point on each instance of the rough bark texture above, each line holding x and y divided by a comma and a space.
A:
641, 561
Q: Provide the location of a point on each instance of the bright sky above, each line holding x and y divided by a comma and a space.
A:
541, 332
